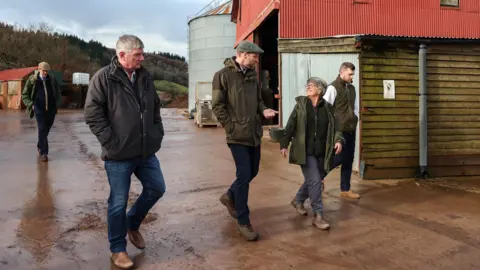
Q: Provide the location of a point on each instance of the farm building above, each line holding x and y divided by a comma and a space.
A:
417, 76
12, 82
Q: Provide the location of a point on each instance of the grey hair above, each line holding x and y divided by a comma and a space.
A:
320, 83
127, 43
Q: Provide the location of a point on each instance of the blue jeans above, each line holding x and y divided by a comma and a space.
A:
247, 161
119, 174
313, 173
346, 160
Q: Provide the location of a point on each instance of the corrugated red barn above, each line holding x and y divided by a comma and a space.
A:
427, 51
324, 18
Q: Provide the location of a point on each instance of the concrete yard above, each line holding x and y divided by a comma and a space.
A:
53, 215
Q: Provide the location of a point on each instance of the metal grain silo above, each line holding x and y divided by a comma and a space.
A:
211, 37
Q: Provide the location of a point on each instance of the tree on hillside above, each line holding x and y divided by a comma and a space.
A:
27, 46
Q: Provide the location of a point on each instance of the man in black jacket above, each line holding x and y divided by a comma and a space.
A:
122, 110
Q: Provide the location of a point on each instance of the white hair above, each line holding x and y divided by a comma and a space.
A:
320, 83
126, 43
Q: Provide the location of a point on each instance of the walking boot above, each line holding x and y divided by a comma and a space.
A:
320, 223
225, 200
44, 158
299, 207
247, 232
121, 260
136, 239
349, 194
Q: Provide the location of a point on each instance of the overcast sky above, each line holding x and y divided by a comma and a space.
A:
161, 24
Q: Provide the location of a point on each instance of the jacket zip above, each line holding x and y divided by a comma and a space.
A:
46, 93
348, 94
138, 100
143, 119
315, 128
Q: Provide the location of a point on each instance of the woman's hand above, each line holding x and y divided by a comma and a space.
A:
338, 148
284, 152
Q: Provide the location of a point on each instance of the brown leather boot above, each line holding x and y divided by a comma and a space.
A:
320, 223
299, 207
247, 232
121, 260
225, 200
136, 239
349, 194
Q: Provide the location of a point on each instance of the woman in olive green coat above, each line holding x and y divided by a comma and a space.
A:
315, 141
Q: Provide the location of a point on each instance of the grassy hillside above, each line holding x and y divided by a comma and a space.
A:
25, 47
171, 88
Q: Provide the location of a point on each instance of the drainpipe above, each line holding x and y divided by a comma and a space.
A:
423, 115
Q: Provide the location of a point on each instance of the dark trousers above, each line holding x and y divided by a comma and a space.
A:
346, 160
119, 175
45, 121
313, 171
247, 161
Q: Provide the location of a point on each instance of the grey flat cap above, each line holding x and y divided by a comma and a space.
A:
248, 47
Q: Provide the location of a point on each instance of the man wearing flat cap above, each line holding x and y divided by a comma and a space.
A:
41, 95
238, 106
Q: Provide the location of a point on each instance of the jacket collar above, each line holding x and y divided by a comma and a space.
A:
117, 71
341, 81
302, 102
232, 63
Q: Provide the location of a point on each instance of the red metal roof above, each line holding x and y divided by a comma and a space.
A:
413, 18
15, 73
251, 14
325, 18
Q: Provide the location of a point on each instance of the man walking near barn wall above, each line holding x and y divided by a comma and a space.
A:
341, 94
238, 105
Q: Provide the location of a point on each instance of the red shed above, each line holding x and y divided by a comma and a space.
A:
11, 86
426, 51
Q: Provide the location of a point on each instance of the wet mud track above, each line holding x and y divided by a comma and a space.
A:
53, 215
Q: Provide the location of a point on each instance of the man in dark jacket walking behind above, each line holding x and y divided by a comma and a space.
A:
341, 94
41, 95
122, 110
238, 105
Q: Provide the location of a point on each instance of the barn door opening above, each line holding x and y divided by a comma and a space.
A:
266, 36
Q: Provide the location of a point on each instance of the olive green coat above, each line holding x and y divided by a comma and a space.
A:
29, 92
296, 129
237, 103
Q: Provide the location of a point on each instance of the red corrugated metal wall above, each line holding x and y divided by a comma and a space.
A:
249, 11
423, 18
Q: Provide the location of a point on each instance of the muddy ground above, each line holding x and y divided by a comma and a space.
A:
53, 215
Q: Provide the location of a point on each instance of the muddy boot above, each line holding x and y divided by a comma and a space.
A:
122, 261
44, 158
225, 200
247, 232
349, 194
320, 223
136, 239
299, 207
